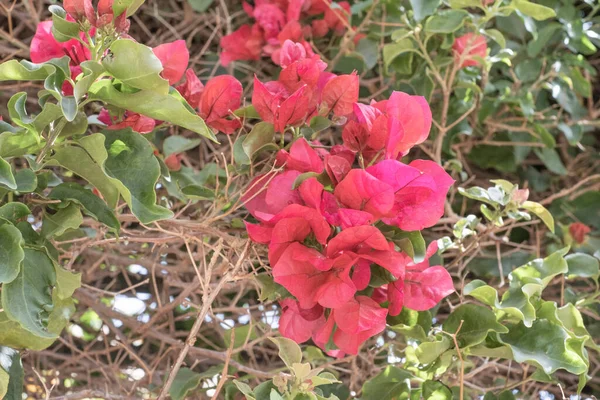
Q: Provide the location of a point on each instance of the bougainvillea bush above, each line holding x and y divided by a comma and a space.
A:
323, 200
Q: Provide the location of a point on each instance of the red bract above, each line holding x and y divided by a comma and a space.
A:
137, 122
45, 47
301, 157
338, 18
274, 105
244, 44
362, 191
579, 231
174, 57
297, 323
191, 89
80, 10
222, 95
269, 194
340, 93
419, 190
468, 46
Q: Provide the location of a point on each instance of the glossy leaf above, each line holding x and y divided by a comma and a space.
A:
11, 253
582, 265
391, 383
11, 374
477, 322
289, 351
533, 10
541, 212
136, 65
7, 179
134, 171
446, 21
27, 298
64, 219
163, 107
88, 201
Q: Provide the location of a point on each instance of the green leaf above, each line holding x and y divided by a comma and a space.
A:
545, 136
135, 171
159, 106
196, 192
241, 334
417, 243
135, 65
7, 179
546, 345
526, 282
248, 112
477, 322
90, 203
62, 30
18, 114
91, 71
185, 381
393, 50
424, 8
428, 352
24, 70
18, 143
541, 212
433, 390
446, 21
66, 282
535, 47
259, 138
86, 158
391, 383
496, 35
119, 6
179, 144
11, 374
465, 3
200, 5
27, 299
551, 160
63, 220
13, 212
11, 253
412, 324
26, 181
14, 335
582, 265
239, 155
289, 351
535, 11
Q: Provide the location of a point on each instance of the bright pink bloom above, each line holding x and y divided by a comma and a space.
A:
222, 95
340, 93
174, 57
338, 18
468, 46
319, 28
137, 122
191, 89
361, 190
297, 323
579, 231
269, 194
301, 157
45, 47
275, 105
80, 10
244, 44
419, 191
409, 122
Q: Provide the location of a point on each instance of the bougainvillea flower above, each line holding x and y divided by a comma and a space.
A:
291, 52
222, 95
366, 315
361, 190
579, 231
105, 16
338, 18
409, 122
191, 90
274, 105
294, 224
319, 28
313, 278
137, 122
297, 323
270, 18
425, 286
45, 47
244, 44
368, 243
174, 57
80, 10
340, 93
269, 194
302, 157
173, 162
467, 47
419, 188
